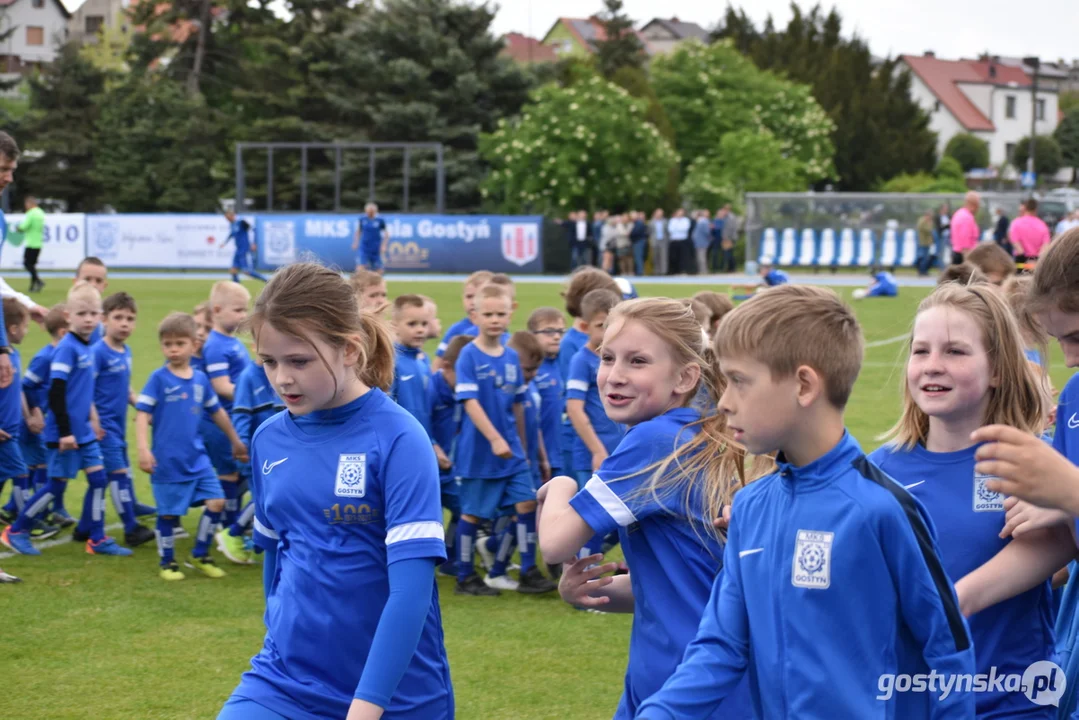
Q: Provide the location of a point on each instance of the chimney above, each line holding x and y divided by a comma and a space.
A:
929, 54
675, 19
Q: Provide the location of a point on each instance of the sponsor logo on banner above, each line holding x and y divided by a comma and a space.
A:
279, 245
63, 243
172, 241
520, 242
407, 256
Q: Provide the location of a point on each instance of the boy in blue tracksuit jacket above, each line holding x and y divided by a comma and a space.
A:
831, 581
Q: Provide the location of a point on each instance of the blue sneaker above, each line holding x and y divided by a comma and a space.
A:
60, 518
107, 546
19, 542
144, 510
448, 568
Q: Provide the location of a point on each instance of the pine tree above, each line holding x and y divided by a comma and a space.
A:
620, 47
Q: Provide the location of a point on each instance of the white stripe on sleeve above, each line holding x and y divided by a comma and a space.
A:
60, 367
466, 387
416, 531
31, 376
217, 367
609, 501
265, 531
522, 390
146, 400
577, 385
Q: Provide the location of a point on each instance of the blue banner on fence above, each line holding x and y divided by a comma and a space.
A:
441, 243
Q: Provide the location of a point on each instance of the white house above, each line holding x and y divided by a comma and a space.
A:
662, 36
40, 28
986, 98
93, 16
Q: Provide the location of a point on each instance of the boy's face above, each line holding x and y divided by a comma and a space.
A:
760, 410
550, 335
177, 349
494, 316
595, 329
469, 297
231, 314
529, 367
411, 326
203, 326
373, 297
434, 325
95, 275
1064, 327
16, 332
83, 316
119, 324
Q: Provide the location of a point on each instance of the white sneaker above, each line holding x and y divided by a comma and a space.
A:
180, 533
486, 556
501, 582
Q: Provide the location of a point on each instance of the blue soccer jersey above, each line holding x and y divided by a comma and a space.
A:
176, 406
1066, 437
35, 382
571, 344
884, 285
255, 402
409, 389
1011, 635
776, 277
582, 385
224, 356
532, 405
112, 388
11, 401
496, 383
464, 326
240, 232
97, 334
341, 494
73, 364
445, 413
552, 407
371, 234
673, 556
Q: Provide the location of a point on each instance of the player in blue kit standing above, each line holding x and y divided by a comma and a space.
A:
347, 507
371, 239
445, 424
241, 232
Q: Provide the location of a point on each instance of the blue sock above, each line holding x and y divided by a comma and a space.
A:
244, 520
205, 533
498, 530
232, 502
123, 500
258, 276
526, 539
39, 477
507, 541
58, 500
38, 503
466, 538
165, 540
235, 277
93, 505
21, 492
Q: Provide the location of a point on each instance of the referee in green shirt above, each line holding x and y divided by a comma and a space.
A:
33, 229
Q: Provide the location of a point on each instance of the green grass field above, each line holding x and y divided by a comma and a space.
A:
99, 637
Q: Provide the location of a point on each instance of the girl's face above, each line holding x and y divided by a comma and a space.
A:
638, 377
299, 375
948, 373
1063, 326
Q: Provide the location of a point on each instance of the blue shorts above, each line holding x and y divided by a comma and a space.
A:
219, 449
879, 291
32, 448
115, 458
66, 464
241, 260
11, 462
486, 498
370, 260
537, 479
450, 499
174, 498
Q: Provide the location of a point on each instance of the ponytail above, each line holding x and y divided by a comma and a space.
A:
376, 366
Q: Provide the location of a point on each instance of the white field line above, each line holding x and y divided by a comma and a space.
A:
888, 341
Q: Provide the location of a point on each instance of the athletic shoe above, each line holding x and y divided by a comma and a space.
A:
487, 558
6, 578
7, 517
472, 585
501, 582
107, 546
554, 570
42, 531
179, 532
61, 519
206, 566
232, 547
448, 568
171, 572
141, 534
19, 542
80, 535
145, 511
533, 582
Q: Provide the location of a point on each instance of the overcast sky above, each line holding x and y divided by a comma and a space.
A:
951, 28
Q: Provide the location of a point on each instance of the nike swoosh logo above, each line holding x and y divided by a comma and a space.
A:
908, 487
405, 378
754, 551
484, 366
172, 389
258, 390
1073, 421
267, 466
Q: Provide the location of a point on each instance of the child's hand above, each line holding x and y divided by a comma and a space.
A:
98, 432
147, 461
444, 463
545, 470
36, 422
68, 443
501, 448
1022, 517
1027, 468
4, 436
724, 520
598, 458
239, 451
579, 581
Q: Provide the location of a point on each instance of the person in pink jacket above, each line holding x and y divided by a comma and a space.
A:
965, 228
1028, 232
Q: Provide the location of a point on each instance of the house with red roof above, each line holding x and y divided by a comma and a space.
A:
526, 50
987, 98
578, 36
40, 28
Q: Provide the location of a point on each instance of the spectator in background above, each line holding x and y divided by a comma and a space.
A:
944, 229
1029, 233
599, 221
638, 238
702, 239
926, 246
964, 227
715, 248
661, 243
730, 236
1066, 223
623, 250
678, 230
579, 238
33, 229
1000, 230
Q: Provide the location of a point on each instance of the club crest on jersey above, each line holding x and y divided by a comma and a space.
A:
351, 475
812, 564
985, 500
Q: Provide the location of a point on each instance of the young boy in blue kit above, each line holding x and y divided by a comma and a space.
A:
828, 558
411, 372
445, 424
548, 325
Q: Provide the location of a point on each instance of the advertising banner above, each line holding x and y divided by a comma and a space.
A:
63, 243
193, 242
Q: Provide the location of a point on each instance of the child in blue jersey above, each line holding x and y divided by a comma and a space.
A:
242, 235
204, 325
174, 400
827, 559
255, 402
651, 490
996, 263
347, 509
71, 436
464, 326
530, 355
549, 325
411, 371
491, 461
445, 425
434, 325
370, 289
371, 239
883, 285
966, 369
225, 357
1035, 339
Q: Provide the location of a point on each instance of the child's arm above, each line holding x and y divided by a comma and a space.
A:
544, 461
479, 418
444, 462
223, 387
1024, 563
562, 531
584, 583
147, 463
58, 406
583, 427
519, 417
1027, 468
221, 419
95, 423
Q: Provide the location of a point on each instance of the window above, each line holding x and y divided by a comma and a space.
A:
39, 4
94, 24
1039, 110
1009, 106
936, 106
35, 35
1009, 152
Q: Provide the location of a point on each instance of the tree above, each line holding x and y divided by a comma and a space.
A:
745, 161
636, 83
584, 146
1067, 136
972, 152
1068, 101
1048, 158
947, 178
620, 46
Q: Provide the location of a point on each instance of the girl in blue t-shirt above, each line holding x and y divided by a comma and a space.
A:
651, 490
966, 368
347, 509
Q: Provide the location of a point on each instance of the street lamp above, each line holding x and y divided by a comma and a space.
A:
1033, 63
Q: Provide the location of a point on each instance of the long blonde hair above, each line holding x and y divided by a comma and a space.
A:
711, 461
1019, 398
